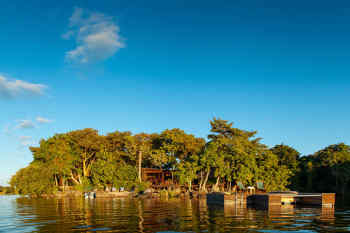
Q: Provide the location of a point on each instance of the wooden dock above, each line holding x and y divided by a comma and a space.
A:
279, 199
219, 198
273, 199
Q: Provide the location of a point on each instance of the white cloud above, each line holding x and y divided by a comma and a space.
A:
25, 124
43, 120
26, 141
96, 35
14, 88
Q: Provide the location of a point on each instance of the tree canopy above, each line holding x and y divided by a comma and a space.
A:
82, 158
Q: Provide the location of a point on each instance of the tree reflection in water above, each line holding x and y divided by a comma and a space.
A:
155, 215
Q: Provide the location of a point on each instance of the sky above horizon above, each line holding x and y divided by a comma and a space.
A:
277, 67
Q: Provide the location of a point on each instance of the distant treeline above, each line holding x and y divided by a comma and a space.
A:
83, 158
6, 190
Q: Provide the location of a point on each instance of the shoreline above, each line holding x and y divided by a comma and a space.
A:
99, 194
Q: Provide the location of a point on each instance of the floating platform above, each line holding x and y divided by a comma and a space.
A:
285, 198
273, 199
220, 198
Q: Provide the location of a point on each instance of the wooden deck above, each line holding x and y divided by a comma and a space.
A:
278, 199
275, 199
219, 198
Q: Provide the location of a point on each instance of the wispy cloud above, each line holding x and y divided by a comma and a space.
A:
13, 88
7, 130
26, 141
96, 35
25, 124
43, 120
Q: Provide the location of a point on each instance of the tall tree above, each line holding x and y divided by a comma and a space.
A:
177, 146
274, 175
85, 144
57, 155
206, 162
236, 149
289, 157
111, 170
35, 179
335, 157
187, 170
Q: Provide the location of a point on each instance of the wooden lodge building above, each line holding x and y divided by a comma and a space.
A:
157, 177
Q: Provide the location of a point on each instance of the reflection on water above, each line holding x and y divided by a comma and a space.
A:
18, 214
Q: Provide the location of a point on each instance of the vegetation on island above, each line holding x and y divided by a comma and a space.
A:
84, 158
4, 190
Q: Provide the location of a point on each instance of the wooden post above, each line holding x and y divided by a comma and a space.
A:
328, 199
140, 162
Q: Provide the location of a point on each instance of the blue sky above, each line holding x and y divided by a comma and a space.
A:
276, 67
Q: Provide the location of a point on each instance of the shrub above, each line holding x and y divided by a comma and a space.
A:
141, 187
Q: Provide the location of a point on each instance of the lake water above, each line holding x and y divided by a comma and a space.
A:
18, 214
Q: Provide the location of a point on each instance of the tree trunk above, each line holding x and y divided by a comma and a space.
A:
88, 167
84, 168
74, 180
204, 187
84, 160
140, 163
201, 181
217, 184
56, 182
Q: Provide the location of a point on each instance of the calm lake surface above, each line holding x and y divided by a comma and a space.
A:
18, 214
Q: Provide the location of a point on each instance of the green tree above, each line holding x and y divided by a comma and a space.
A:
307, 172
134, 150
187, 170
206, 161
288, 157
34, 179
85, 144
103, 171
274, 175
122, 145
57, 156
109, 171
335, 157
344, 175
236, 151
177, 146
237, 155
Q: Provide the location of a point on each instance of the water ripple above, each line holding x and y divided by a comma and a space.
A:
18, 214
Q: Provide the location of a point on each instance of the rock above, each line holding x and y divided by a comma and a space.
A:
112, 194
148, 190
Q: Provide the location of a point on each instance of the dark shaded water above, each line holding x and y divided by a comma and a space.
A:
19, 214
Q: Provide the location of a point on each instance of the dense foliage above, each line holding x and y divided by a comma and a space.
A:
6, 190
327, 170
84, 158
